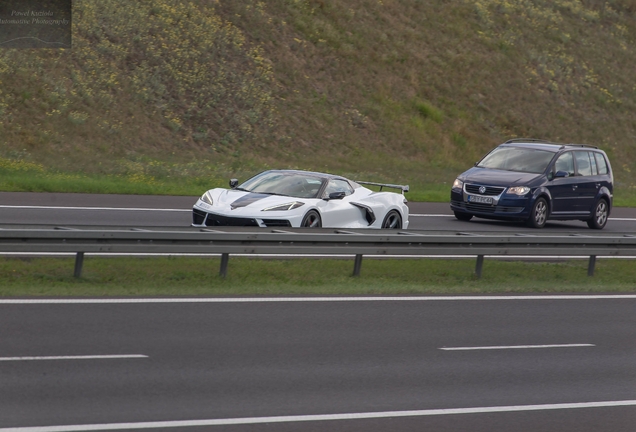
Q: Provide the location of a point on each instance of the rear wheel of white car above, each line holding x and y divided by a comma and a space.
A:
392, 220
311, 220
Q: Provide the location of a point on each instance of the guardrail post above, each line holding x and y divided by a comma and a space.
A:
79, 262
357, 264
225, 257
590, 265
479, 266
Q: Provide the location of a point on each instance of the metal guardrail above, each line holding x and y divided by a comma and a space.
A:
235, 241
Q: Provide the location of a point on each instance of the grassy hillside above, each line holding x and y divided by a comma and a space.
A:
174, 96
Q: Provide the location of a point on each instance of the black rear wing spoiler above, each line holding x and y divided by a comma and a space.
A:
403, 188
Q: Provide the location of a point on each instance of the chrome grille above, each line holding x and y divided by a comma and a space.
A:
490, 190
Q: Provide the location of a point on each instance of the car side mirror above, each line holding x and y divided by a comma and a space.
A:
337, 195
561, 174
233, 183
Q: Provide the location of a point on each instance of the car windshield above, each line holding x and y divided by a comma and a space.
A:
517, 159
297, 185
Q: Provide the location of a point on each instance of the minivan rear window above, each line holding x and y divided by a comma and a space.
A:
601, 164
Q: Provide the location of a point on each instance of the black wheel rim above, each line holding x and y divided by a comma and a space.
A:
392, 221
312, 220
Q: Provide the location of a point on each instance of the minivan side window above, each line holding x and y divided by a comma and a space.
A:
593, 162
601, 164
565, 162
583, 166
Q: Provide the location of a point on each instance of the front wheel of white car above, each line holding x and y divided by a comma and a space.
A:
392, 220
311, 220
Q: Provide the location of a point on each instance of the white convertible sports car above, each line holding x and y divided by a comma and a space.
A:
291, 198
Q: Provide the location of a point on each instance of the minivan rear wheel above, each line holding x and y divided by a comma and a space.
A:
538, 214
599, 216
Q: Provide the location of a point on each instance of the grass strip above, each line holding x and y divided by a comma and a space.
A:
192, 276
36, 181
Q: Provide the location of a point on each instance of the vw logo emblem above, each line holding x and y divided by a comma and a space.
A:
482, 189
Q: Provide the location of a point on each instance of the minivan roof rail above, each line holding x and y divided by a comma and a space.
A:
578, 145
537, 140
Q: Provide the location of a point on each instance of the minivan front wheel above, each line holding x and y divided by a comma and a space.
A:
463, 216
599, 216
538, 214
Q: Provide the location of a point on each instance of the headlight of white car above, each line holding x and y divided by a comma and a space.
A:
207, 198
458, 184
519, 190
287, 206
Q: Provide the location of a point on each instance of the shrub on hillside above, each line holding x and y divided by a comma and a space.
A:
177, 57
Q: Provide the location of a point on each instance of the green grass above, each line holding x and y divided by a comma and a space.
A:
42, 181
102, 184
387, 91
409, 92
187, 276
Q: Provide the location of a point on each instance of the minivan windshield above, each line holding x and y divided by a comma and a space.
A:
517, 159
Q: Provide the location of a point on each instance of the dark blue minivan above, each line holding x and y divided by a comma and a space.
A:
533, 181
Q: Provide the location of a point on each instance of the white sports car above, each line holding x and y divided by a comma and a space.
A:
291, 198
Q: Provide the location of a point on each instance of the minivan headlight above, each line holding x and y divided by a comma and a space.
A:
458, 184
519, 190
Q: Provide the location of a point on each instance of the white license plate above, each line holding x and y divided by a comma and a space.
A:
479, 199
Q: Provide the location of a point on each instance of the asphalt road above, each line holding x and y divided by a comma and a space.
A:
410, 365
170, 211
407, 362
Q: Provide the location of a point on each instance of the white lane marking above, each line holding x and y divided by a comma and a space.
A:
85, 357
429, 215
452, 216
313, 299
500, 257
503, 347
190, 210
319, 417
94, 208
23, 207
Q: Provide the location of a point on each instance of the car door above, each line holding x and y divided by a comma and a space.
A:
564, 190
586, 176
339, 213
